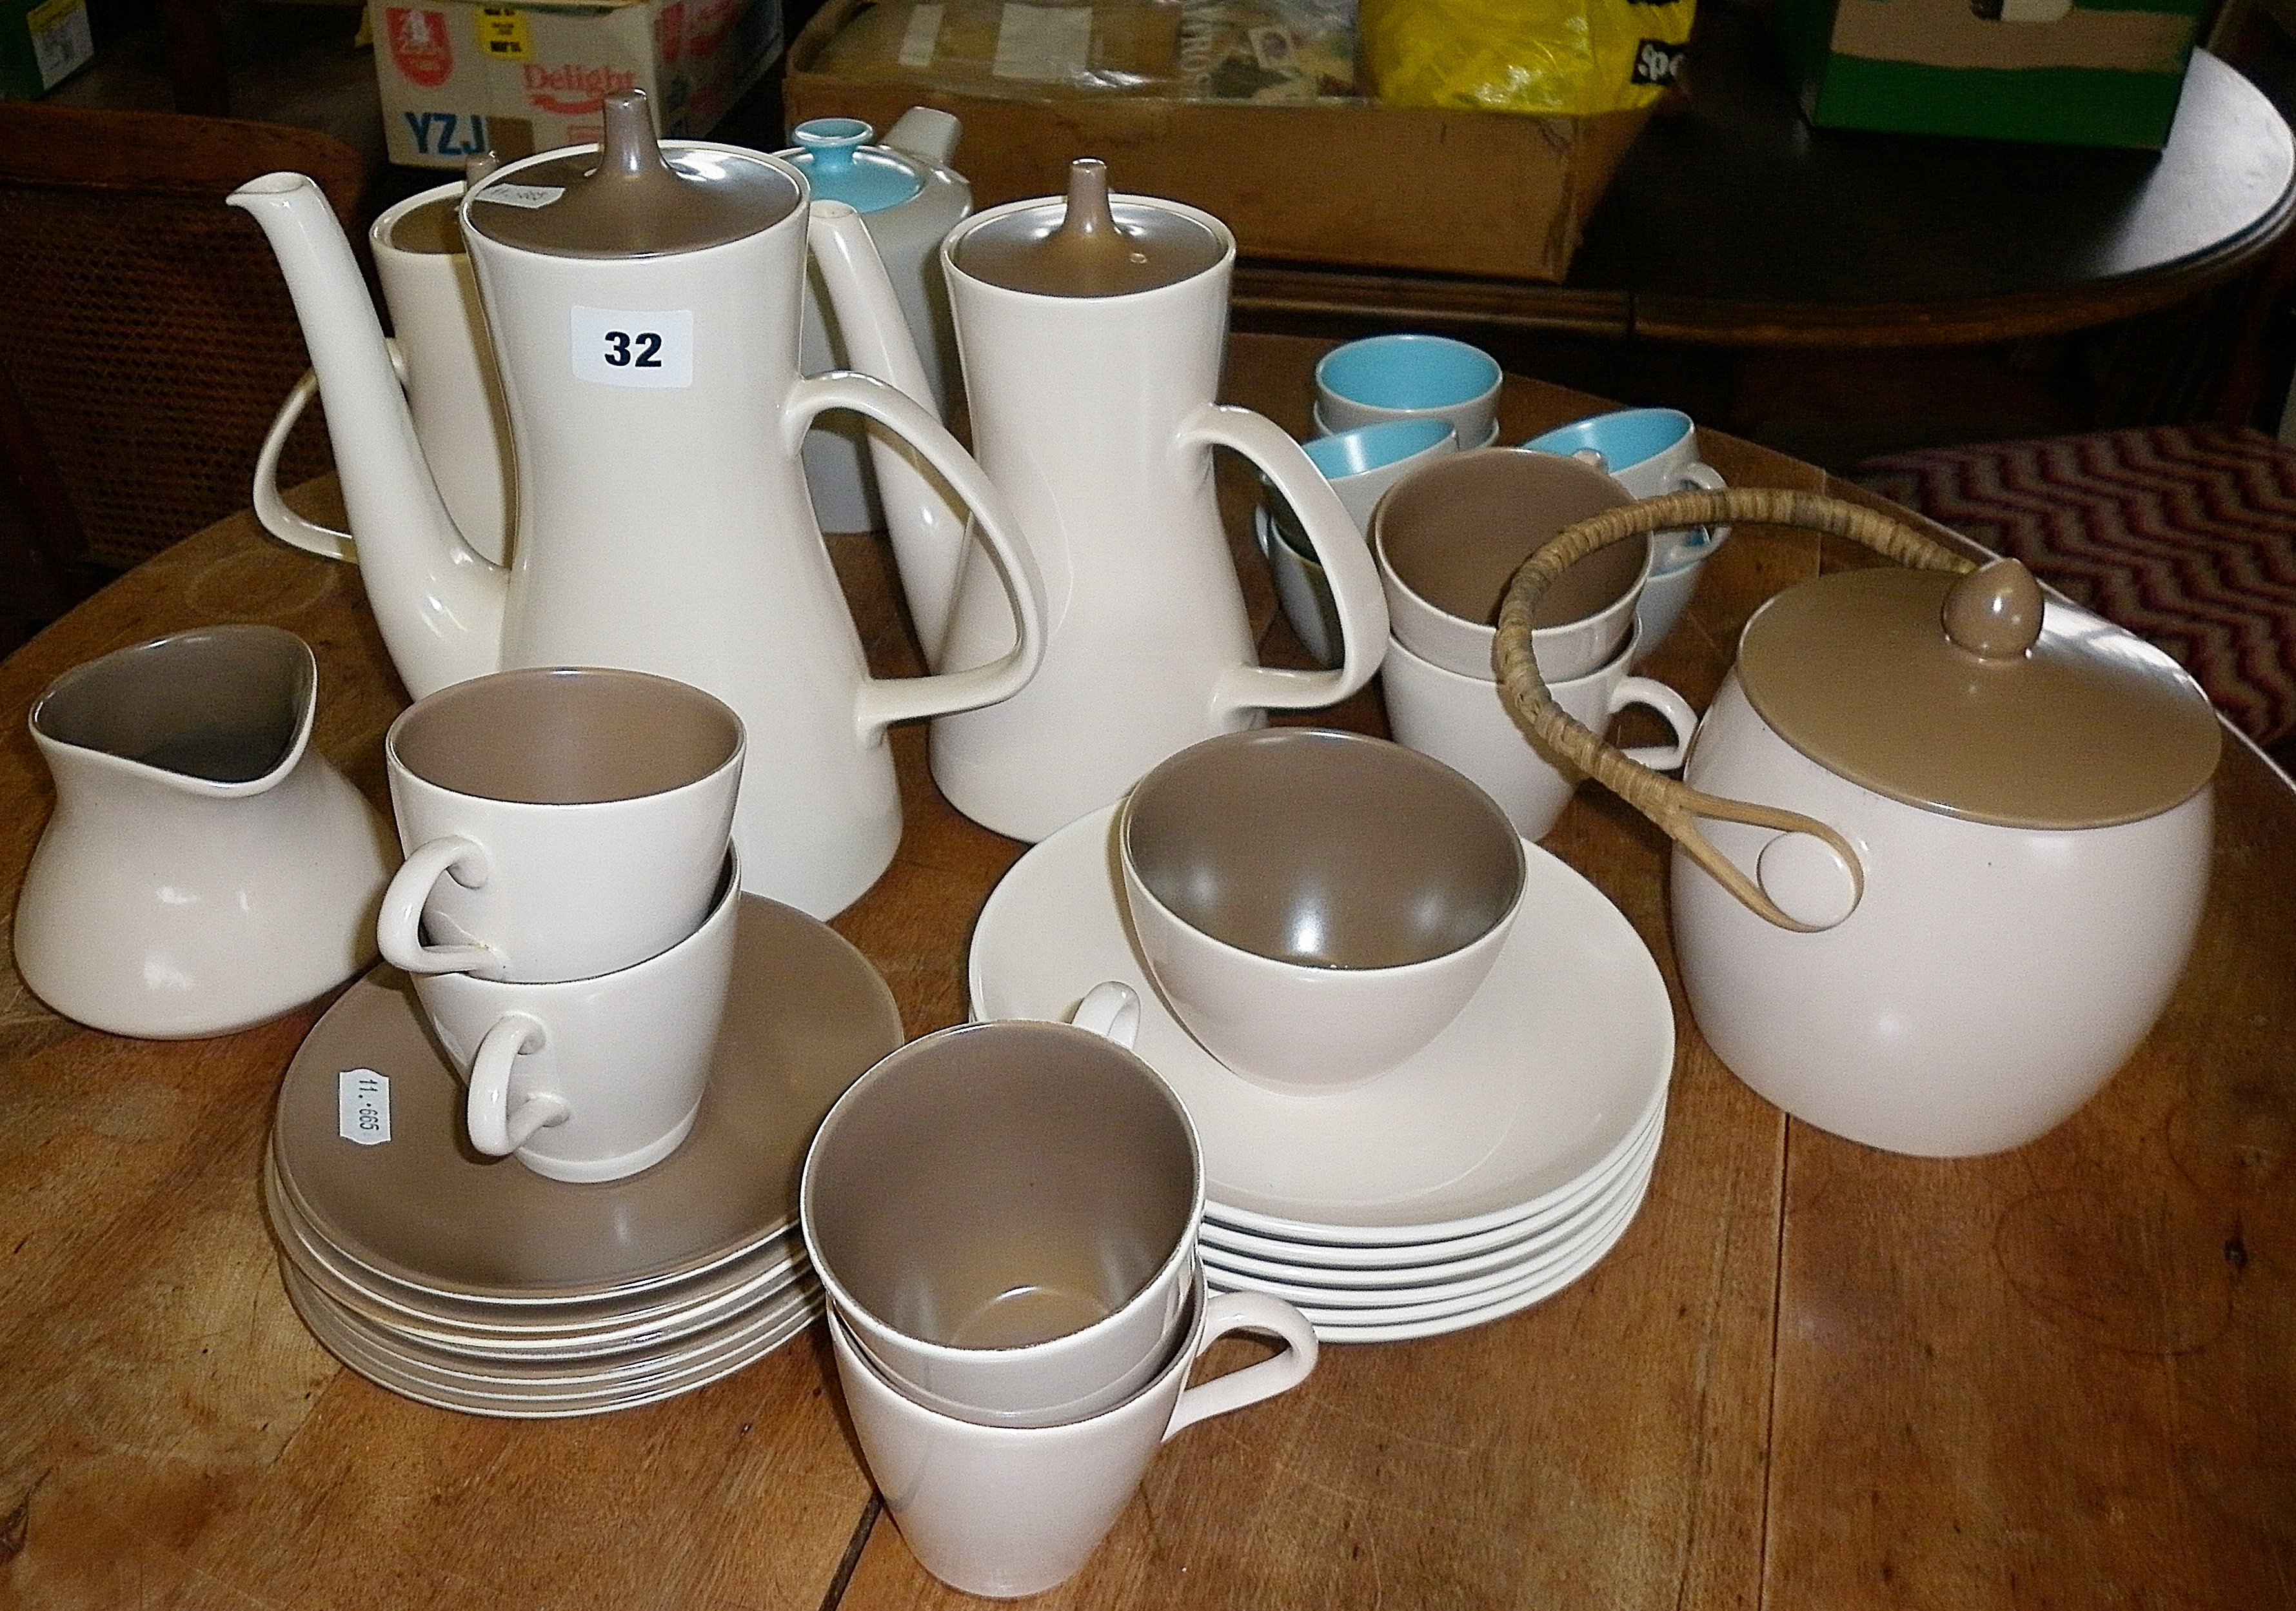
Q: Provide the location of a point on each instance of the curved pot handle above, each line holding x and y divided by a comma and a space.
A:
1674, 806
1357, 598
880, 702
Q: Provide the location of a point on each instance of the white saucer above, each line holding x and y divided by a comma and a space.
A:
1549, 1073
1373, 1326
1541, 1254
1304, 1262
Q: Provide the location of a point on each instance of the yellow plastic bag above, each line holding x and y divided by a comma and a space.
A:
1570, 58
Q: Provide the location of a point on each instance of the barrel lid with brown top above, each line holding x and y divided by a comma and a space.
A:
1966, 695
628, 200
1088, 244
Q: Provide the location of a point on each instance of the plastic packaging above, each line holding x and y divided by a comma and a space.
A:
1564, 58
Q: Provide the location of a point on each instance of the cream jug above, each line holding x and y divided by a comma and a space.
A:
909, 198
1092, 330
644, 304
1941, 844
438, 346
206, 868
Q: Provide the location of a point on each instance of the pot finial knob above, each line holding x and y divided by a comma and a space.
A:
1995, 611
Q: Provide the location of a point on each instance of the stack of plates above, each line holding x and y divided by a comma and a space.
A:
1487, 1174
474, 1284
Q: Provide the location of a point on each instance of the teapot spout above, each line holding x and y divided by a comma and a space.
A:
926, 522
439, 604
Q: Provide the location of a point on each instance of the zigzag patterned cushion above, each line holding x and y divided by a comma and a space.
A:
2184, 534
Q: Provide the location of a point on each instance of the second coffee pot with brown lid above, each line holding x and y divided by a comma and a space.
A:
1092, 330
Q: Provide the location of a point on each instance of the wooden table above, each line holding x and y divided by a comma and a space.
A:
1735, 223
1811, 1375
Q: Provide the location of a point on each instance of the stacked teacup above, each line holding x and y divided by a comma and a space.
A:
1003, 1217
593, 1000
1447, 540
1384, 406
568, 905
1651, 451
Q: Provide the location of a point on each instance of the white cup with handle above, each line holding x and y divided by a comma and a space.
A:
1462, 722
1004, 1214
559, 823
1007, 1511
591, 1079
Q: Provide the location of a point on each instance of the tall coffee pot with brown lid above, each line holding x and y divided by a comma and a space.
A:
643, 298
1941, 843
1092, 328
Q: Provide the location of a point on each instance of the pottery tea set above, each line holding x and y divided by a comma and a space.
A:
1274, 1029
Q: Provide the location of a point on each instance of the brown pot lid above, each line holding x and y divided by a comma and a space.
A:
627, 201
1086, 245
1967, 696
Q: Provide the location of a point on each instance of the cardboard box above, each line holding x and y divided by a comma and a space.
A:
2069, 72
42, 43
1331, 181
459, 78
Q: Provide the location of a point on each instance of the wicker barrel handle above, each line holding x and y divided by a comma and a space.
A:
1677, 807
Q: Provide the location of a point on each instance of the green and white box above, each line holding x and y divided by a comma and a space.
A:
2071, 72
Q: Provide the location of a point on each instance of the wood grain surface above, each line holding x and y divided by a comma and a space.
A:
1810, 1375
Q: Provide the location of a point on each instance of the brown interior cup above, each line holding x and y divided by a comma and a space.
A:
1455, 530
225, 704
1325, 849
566, 736
997, 1185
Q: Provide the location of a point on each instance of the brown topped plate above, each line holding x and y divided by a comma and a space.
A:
806, 1017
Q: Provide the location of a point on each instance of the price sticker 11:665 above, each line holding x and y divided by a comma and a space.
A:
613, 347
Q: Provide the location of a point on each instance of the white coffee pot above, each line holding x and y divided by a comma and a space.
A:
1940, 844
1093, 330
643, 302
909, 198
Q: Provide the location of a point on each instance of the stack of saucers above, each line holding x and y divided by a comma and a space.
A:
1494, 1168
474, 1284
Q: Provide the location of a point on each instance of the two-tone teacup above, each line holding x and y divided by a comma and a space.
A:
558, 824
1315, 906
1462, 722
1450, 537
1005, 1511
1004, 1214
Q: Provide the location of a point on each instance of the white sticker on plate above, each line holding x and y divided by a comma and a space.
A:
1043, 44
363, 1106
522, 195
922, 37
613, 347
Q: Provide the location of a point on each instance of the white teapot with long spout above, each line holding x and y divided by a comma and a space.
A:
642, 301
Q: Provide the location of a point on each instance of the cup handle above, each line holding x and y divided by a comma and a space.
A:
1247, 1311
1697, 476
1112, 1010
495, 1129
1669, 705
1356, 596
398, 931
270, 509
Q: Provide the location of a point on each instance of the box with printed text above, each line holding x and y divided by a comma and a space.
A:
459, 78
